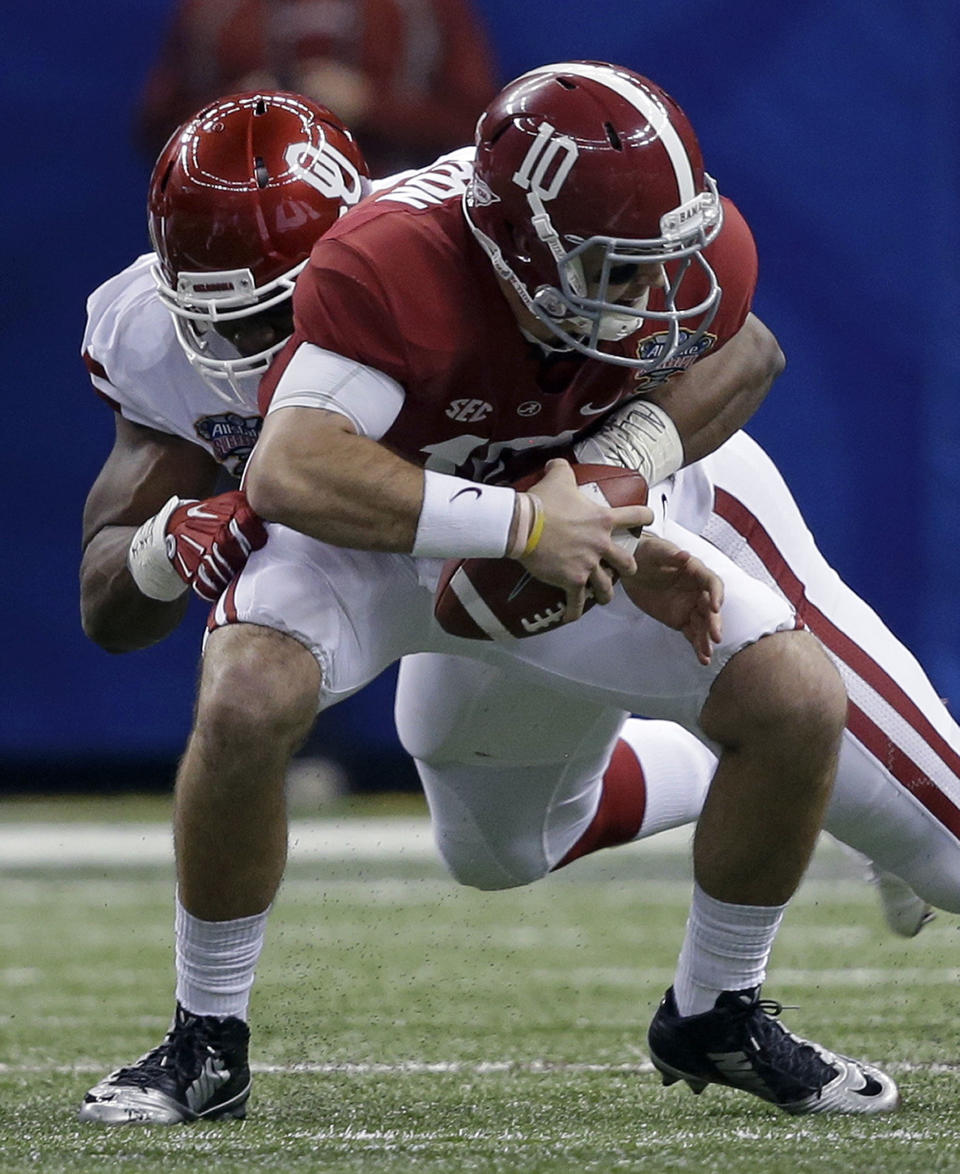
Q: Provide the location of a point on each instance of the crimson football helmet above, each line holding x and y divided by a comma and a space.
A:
589, 194
237, 199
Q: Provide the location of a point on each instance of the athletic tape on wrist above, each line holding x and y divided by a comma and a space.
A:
461, 519
147, 559
639, 436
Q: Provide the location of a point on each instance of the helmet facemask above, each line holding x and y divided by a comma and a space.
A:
588, 305
202, 301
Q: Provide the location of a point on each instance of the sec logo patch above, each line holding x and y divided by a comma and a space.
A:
469, 411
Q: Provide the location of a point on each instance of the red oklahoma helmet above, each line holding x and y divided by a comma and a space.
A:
237, 199
589, 180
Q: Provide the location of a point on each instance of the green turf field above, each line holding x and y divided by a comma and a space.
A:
401, 1023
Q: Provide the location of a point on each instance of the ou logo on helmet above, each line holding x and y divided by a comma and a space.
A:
325, 168
547, 163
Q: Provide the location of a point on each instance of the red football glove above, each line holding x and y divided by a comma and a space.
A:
209, 541
199, 544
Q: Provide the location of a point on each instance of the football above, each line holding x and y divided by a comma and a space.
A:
497, 599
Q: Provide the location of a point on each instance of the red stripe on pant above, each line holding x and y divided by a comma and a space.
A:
863, 728
623, 801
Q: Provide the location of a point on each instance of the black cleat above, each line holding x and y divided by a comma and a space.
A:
741, 1044
199, 1071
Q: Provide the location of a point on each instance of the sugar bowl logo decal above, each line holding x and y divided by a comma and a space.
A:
231, 438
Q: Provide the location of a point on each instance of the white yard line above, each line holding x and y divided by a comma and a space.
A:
69, 845
399, 1068
435, 1067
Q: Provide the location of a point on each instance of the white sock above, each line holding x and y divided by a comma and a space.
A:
216, 962
677, 769
725, 948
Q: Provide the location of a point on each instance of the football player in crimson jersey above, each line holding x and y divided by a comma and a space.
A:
176, 344
639, 299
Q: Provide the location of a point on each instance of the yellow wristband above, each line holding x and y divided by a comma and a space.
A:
536, 527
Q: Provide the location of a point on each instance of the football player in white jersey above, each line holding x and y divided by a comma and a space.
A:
173, 429
178, 341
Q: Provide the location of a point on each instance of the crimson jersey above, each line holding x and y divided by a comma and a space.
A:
399, 284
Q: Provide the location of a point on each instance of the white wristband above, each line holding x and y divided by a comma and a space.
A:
461, 519
639, 436
147, 559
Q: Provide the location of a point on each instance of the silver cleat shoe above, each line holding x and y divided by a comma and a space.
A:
741, 1044
199, 1071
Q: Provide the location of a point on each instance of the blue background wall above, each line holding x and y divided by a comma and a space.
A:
833, 125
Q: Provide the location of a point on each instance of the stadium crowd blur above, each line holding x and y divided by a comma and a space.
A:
408, 76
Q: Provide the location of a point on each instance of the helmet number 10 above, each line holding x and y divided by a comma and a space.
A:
548, 150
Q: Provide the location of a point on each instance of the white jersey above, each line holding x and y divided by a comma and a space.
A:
137, 363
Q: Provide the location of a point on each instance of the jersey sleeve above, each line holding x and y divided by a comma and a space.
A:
315, 378
103, 351
100, 380
136, 364
341, 306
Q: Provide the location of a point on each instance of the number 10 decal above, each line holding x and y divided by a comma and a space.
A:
547, 150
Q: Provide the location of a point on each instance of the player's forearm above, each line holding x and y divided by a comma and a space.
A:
310, 473
333, 485
116, 615
718, 395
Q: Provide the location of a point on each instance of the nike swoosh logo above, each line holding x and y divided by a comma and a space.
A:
520, 584
469, 489
869, 1087
590, 410
196, 511
211, 1077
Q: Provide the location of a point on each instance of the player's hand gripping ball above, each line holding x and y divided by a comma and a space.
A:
498, 599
